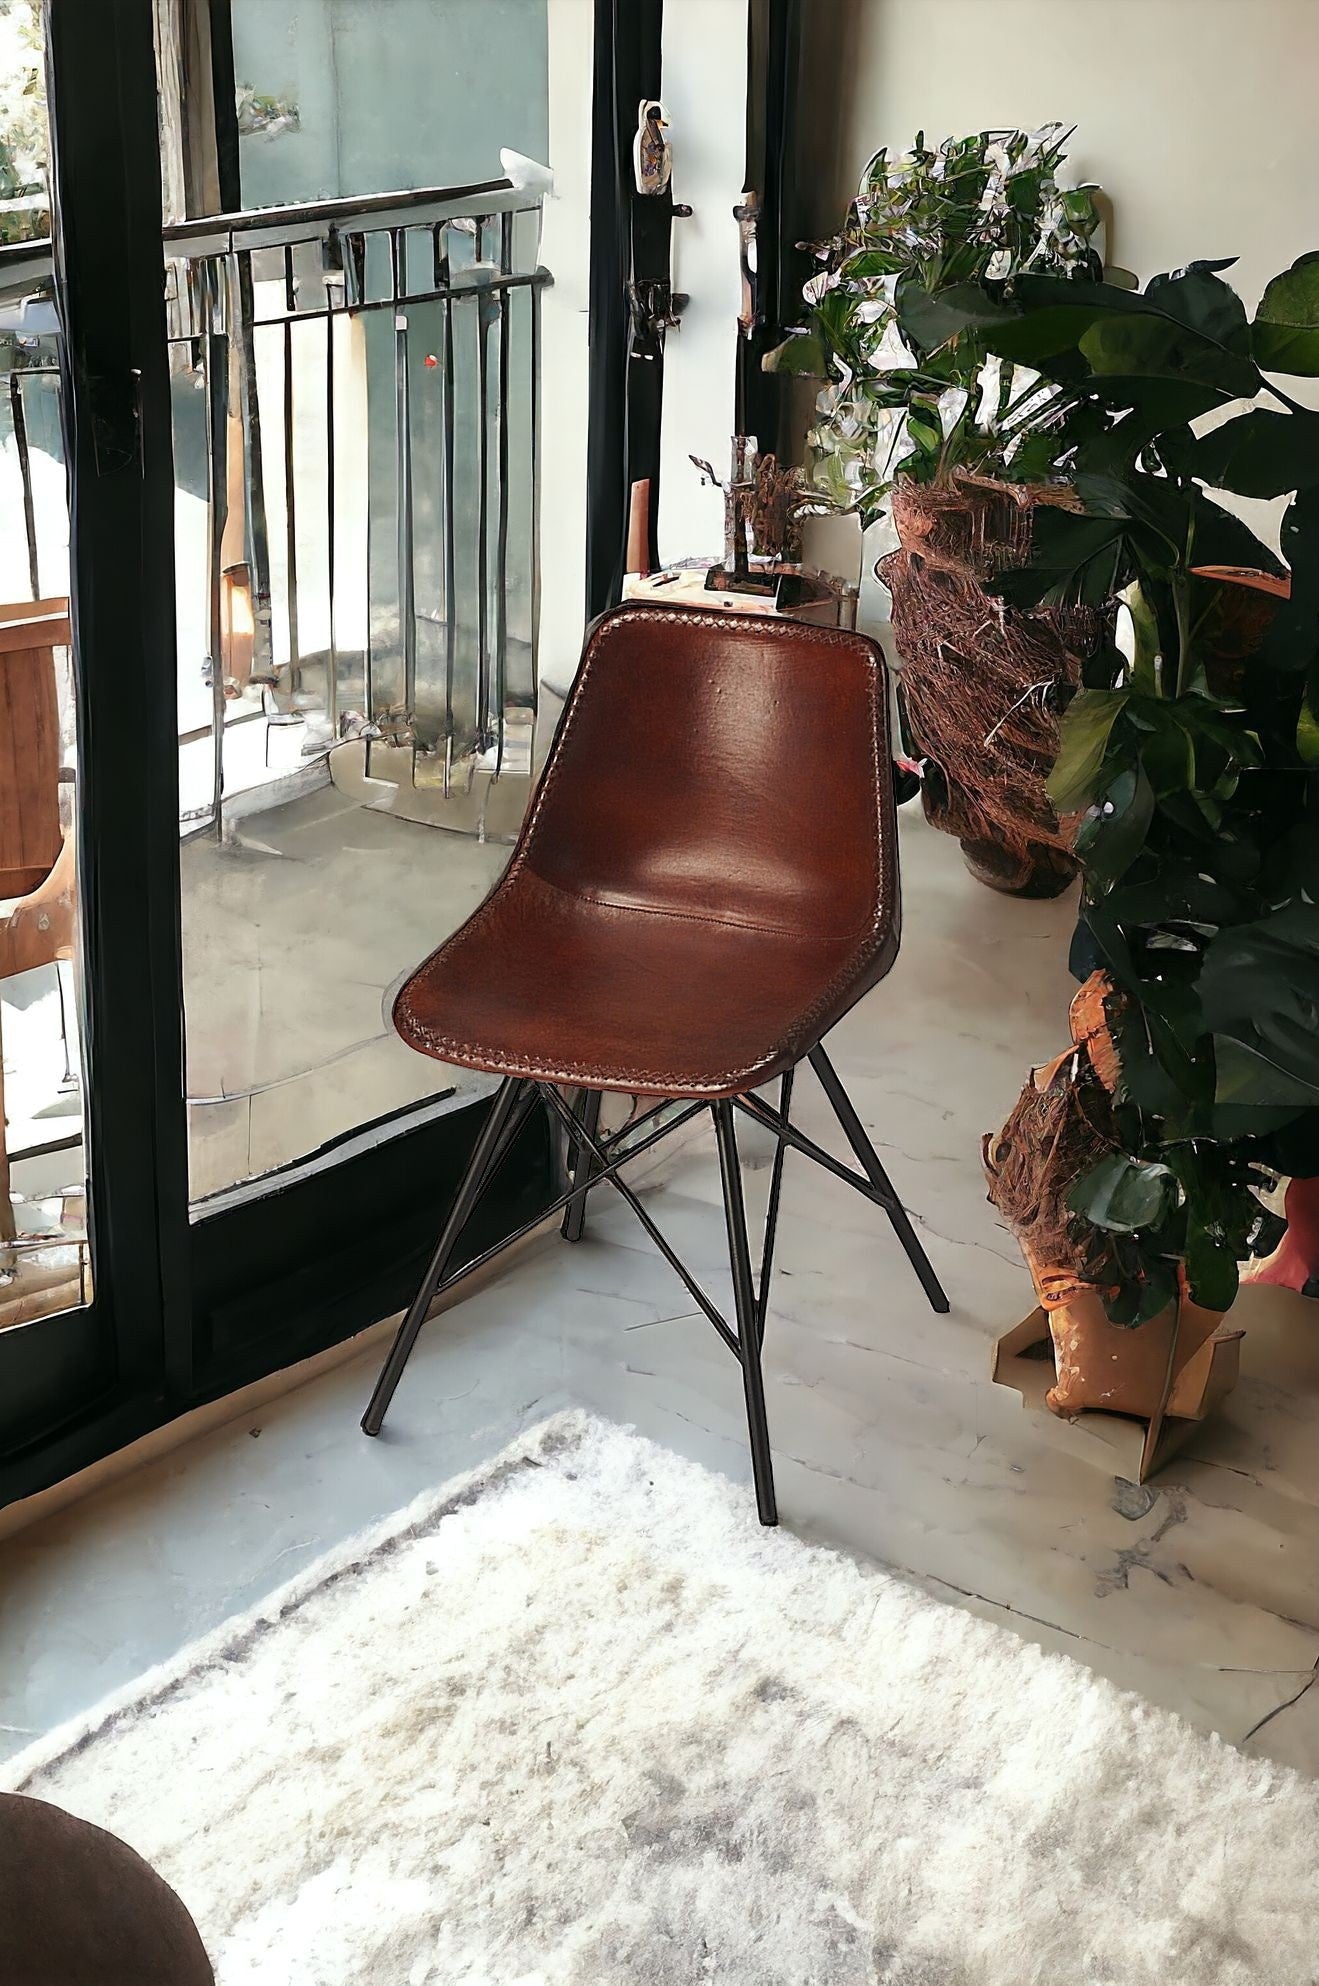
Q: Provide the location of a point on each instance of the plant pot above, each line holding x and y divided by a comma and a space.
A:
980, 682
1235, 614
1149, 1370
1127, 1445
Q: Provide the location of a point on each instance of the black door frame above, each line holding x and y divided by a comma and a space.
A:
626, 398
104, 1368
623, 430
182, 1311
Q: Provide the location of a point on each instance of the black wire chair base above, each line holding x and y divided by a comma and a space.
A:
596, 1161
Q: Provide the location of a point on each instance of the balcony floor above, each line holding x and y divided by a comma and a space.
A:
1199, 1591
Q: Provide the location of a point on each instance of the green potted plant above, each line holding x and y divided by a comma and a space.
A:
942, 433
1191, 751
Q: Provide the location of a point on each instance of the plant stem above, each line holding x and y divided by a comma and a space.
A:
1181, 601
1181, 607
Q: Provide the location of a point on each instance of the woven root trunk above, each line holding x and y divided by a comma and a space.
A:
981, 682
1060, 1127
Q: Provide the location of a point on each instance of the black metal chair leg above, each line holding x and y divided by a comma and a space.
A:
868, 1159
772, 1212
583, 1164
748, 1322
497, 1134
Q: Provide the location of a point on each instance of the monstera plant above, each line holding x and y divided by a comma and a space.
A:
944, 433
1190, 751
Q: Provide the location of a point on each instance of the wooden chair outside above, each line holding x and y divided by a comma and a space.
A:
38, 904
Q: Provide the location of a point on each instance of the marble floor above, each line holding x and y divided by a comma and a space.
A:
1201, 1590
297, 930
298, 927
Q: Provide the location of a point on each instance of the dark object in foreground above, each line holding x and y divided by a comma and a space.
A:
79, 1908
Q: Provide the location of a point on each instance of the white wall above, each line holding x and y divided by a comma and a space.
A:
1198, 117
565, 359
703, 83
704, 90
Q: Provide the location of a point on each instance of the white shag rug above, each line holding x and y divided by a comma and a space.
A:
575, 1720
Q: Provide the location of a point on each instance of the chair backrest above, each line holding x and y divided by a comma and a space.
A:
730, 766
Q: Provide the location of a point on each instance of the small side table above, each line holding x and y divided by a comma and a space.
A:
833, 602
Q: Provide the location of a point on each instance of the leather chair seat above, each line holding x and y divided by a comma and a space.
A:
539, 972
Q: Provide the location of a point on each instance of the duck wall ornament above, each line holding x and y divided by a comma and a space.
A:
652, 153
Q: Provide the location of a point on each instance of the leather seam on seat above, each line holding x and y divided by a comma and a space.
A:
695, 916
655, 1080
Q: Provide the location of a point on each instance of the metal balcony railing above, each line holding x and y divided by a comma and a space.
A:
356, 412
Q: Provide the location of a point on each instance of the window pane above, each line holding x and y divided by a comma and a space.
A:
364, 96
354, 408
44, 1250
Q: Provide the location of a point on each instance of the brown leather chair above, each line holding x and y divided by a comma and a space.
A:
706, 882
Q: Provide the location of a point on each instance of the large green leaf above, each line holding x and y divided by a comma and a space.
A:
1307, 724
1150, 501
929, 318
1111, 837
1176, 892
1168, 349
1125, 1194
1221, 538
1163, 744
1259, 989
1252, 1078
1188, 328
1189, 325
1211, 1267
1099, 941
1261, 453
1290, 867
1161, 1072
1155, 1287
1143, 410
801, 353
1285, 334
1294, 1148
1293, 634
1073, 559
1087, 723
1198, 297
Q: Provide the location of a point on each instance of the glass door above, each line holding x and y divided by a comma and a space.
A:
295, 743
354, 366
354, 353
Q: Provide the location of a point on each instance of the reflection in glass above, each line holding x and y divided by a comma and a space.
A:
45, 1263
355, 413
24, 198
